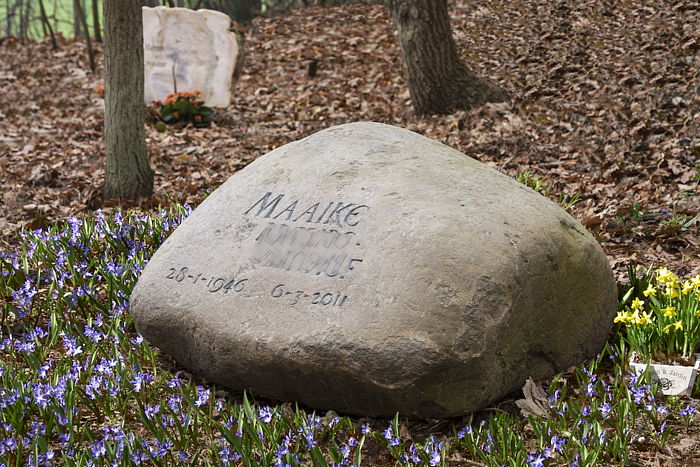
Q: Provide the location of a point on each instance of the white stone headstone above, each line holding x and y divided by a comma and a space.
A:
187, 50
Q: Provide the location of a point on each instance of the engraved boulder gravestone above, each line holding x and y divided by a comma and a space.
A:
368, 269
187, 50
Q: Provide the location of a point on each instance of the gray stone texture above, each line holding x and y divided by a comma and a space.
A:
435, 289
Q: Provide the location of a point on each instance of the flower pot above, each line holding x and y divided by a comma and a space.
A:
674, 380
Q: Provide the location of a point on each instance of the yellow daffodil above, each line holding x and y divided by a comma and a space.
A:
667, 328
637, 304
669, 311
687, 288
644, 319
664, 276
695, 281
649, 291
621, 317
678, 324
672, 292
697, 313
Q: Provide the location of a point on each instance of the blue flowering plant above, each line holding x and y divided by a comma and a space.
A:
660, 317
80, 386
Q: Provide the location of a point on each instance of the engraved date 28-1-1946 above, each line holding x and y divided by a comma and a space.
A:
212, 283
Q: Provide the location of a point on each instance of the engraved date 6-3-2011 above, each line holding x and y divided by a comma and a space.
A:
316, 298
212, 283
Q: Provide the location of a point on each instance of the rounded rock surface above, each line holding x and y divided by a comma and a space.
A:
369, 270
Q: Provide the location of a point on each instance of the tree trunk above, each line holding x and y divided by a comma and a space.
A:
47, 24
437, 79
10, 14
23, 20
127, 172
88, 41
77, 32
96, 20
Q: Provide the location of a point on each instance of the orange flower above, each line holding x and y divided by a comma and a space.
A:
197, 118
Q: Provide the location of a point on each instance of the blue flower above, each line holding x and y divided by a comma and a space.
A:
98, 449
151, 410
590, 390
535, 460
24, 297
72, 348
202, 396
8, 445
174, 383
310, 441
388, 435
174, 403
434, 458
140, 456
140, 379
163, 448
42, 394
27, 347
265, 414
464, 432
92, 388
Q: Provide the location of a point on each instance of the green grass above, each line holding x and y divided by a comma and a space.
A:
539, 185
79, 386
59, 12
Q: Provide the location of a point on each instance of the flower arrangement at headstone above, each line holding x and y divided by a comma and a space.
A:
661, 320
184, 107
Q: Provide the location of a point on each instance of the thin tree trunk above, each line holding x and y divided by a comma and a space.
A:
8, 18
437, 79
96, 20
55, 15
88, 41
47, 24
127, 172
23, 20
77, 23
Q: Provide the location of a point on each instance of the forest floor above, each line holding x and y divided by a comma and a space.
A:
604, 101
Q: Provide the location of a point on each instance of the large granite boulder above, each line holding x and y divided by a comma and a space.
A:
187, 50
368, 269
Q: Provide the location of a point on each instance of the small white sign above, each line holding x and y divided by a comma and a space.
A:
673, 380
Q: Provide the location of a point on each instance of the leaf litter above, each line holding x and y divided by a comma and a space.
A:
604, 102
